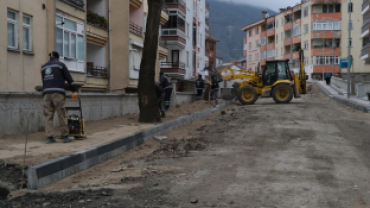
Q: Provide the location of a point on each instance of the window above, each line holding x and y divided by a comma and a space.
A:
250, 33
297, 31
305, 61
350, 7
12, 29
187, 58
325, 60
263, 55
325, 9
257, 44
330, 25
69, 39
270, 53
270, 25
250, 46
305, 11
257, 31
306, 45
282, 21
337, 8
305, 28
187, 30
263, 41
331, 8
27, 33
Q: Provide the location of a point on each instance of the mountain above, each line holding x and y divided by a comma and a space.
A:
226, 21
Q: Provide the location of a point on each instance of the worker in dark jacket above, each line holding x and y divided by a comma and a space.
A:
328, 78
200, 87
214, 88
167, 86
160, 95
54, 74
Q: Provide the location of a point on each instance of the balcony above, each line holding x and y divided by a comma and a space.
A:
325, 34
176, 4
287, 56
75, 3
263, 34
136, 29
365, 6
97, 71
319, 69
271, 32
365, 54
297, 39
173, 69
174, 37
96, 20
270, 46
288, 41
163, 51
365, 28
288, 26
96, 35
316, 2
164, 15
136, 3
326, 16
327, 51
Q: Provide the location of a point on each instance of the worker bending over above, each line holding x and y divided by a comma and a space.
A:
167, 86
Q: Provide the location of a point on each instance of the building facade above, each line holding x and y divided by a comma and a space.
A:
318, 27
365, 32
100, 41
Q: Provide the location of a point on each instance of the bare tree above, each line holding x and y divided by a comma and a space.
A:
148, 101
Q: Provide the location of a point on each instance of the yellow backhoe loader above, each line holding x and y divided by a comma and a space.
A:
277, 81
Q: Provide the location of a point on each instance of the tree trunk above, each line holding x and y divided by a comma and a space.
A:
148, 101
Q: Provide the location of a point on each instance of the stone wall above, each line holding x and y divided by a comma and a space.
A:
16, 108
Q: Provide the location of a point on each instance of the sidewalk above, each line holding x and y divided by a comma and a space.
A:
340, 95
98, 133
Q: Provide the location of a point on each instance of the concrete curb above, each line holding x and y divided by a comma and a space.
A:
52, 171
350, 103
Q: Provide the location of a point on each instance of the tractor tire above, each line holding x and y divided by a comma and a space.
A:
247, 95
282, 94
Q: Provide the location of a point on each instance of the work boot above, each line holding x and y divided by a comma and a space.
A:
50, 140
67, 139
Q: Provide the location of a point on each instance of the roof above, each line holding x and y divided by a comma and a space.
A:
227, 66
253, 24
212, 39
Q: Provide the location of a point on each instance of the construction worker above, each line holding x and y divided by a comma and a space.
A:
214, 88
328, 78
200, 87
54, 74
160, 95
167, 86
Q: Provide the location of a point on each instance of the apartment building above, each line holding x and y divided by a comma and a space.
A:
210, 52
186, 33
100, 41
314, 25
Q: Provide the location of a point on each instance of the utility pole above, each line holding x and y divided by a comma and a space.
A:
349, 51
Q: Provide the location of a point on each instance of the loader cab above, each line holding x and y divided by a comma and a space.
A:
275, 71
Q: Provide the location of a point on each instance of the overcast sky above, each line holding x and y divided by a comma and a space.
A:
271, 4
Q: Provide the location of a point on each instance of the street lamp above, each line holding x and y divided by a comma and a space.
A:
349, 51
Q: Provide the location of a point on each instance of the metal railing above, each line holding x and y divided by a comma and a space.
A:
164, 8
173, 65
324, 46
136, 29
162, 43
180, 2
97, 71
173, 32
366, 25
366, 50
77, 3
365, 4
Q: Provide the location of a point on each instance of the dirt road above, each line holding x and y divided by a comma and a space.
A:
312, 153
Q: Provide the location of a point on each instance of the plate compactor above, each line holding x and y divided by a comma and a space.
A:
76, 124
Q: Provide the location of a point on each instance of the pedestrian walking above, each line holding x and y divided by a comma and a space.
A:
214, 88
328, 78
160, 95
200, 87
54, 74
167, 86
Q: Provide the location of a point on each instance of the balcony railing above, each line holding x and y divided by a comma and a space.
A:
164, 8
136, 29
365, 4
97, 20
172, 65
173, 32
180, 2
366, 25
76, 3
98, 71
366, 50
162, 43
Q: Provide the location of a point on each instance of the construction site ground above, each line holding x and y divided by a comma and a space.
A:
312, 153
97, 132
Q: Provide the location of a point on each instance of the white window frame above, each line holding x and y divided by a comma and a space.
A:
263, 41
306, 11
305, 28
15, 23
306, 46
327, 60
297, 31
29, 27
70, 33
326, 25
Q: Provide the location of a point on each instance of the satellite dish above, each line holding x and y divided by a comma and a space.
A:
267, 15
